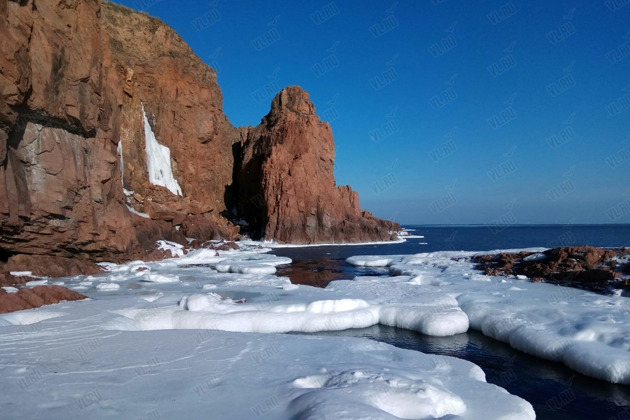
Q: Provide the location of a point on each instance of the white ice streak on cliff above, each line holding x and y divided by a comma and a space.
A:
122, 167
158, 160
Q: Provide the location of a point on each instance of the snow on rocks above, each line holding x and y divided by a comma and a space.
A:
176, 250
22, 273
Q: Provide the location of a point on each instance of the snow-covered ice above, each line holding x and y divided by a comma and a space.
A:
203, 328
589, 333
22, 273
188, 345
106, 286
75, 369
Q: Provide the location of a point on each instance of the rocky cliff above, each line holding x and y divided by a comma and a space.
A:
112, 135
286, 184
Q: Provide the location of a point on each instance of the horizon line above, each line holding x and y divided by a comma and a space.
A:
509, 225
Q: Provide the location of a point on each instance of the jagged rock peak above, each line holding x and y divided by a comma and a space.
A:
294, 99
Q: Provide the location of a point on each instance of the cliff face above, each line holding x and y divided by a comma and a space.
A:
57, 148
85, 85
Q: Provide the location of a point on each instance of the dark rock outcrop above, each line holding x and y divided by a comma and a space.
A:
78, 80
577, 266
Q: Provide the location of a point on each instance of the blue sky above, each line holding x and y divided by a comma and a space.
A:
443, 111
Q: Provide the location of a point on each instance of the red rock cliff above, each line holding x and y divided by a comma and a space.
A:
75, 77
287, 187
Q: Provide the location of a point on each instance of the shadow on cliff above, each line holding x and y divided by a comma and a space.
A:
230, 196
244, 198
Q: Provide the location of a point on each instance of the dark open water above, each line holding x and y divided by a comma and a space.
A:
555, 391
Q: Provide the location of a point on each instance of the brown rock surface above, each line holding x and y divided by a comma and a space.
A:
46, 265
35, 297
286, 186
74, 80
578, 266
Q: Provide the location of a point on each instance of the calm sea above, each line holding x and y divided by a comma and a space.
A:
555, 391
480, 238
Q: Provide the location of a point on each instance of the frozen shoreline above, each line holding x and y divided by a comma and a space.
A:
155, 327
585, 331
212, 305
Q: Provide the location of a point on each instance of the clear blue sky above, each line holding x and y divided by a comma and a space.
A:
443, 111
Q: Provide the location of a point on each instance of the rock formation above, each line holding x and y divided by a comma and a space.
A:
83, 83
584, 267
286, 186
